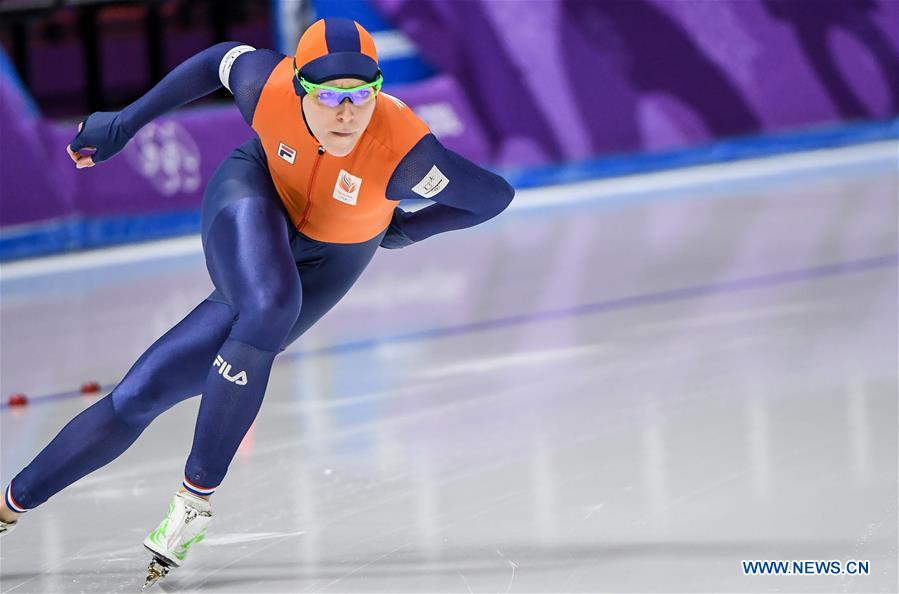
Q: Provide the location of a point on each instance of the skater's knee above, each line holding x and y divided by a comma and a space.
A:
266, 316
133, 410
138, 408
278, 301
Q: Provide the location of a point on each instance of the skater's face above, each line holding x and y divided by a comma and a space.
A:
338, 129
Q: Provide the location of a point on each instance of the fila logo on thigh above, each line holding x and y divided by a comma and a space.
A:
225, 371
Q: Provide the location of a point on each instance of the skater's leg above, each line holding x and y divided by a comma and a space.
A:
248, 254
252, 257
327, 272
172, 369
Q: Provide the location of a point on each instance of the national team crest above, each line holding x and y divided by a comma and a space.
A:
347, 187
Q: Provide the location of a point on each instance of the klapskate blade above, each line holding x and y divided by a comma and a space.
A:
155, 572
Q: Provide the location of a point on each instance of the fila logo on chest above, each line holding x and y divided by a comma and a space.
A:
347, 187
287, 153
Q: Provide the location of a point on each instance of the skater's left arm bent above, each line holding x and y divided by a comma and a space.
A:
464, 194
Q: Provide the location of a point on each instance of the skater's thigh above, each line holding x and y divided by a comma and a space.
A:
327, 271
243, 173
246, 235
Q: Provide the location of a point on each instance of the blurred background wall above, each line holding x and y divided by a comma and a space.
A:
525, 86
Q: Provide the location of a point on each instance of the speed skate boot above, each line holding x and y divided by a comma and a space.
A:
184, 526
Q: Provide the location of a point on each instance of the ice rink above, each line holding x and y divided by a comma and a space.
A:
619, 386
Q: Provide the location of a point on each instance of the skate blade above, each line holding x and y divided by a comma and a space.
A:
155, 572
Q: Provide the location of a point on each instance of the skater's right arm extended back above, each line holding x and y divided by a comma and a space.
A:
240, 68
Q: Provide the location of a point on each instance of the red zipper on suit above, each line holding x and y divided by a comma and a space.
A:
318, 160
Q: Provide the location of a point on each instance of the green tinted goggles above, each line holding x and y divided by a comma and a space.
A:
334, 96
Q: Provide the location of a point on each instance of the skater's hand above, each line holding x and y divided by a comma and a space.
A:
395, 237
99, 137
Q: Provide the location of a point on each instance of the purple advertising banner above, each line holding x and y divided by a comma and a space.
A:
35, 183
554, 80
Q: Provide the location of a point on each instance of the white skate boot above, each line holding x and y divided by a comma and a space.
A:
184, 526
7, 527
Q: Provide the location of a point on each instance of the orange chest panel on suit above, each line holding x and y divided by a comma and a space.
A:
332, 199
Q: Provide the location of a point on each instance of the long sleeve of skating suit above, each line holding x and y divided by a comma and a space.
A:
464, 194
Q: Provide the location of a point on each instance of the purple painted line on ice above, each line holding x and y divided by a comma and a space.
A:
723, 287
598, 307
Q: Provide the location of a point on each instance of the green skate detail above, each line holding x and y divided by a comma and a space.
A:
181, 553
157, 534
